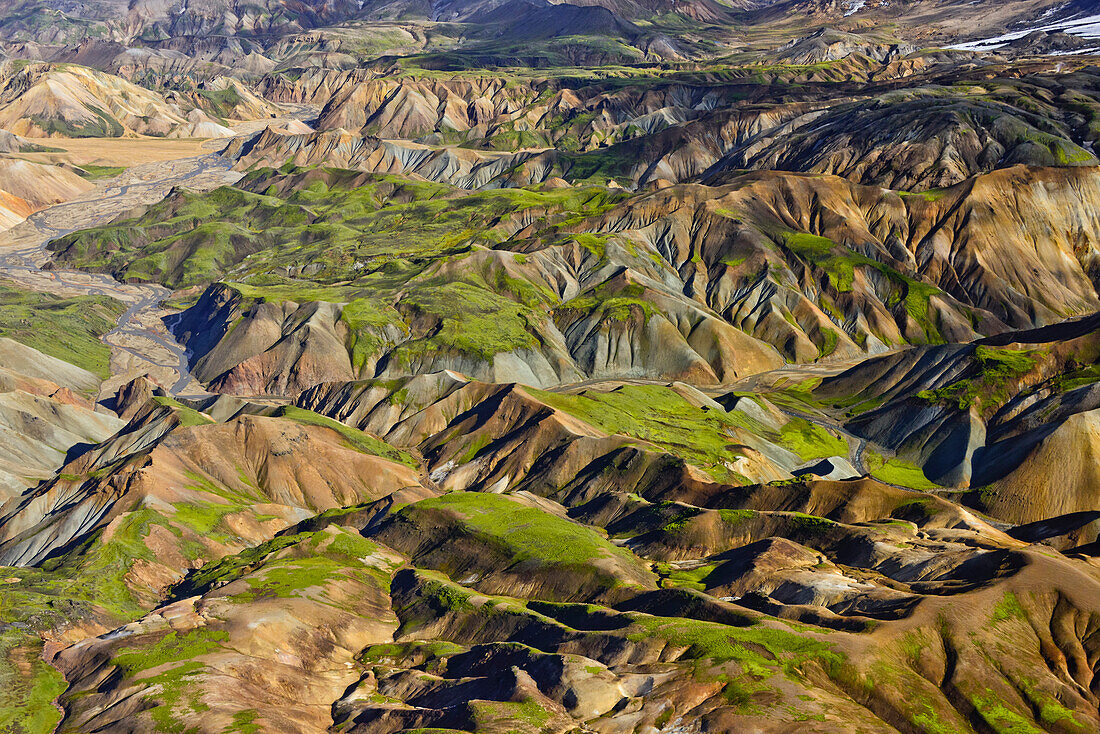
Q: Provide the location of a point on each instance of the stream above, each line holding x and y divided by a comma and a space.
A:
140, 342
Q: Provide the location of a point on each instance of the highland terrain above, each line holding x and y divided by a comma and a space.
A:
618, 366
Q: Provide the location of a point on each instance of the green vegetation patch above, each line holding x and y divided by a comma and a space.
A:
1077, 376
624, 305
999, 717
660, 416
28, 686
988, 381
329, 225
93, 172
95, 572
188, 417
523, 533
383, 246
760, 650
359, 440
472, 320
527, 715
691, 578
171, 665
1008, 608
702, 436
301, 564
66, 328
897, 471
92, 577
908, 297
100, 124
232, 567
811, 441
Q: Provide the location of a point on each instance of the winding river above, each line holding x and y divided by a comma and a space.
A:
140, 343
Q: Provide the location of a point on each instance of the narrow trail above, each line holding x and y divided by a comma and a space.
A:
140, 342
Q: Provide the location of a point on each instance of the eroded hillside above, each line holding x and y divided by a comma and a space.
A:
625, 367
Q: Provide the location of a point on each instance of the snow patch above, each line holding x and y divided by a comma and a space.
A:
1085, 27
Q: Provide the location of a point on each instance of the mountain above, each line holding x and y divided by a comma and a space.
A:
172, 43
27, 187
526, 367
44, 414
696, 283
44, 100
554, 621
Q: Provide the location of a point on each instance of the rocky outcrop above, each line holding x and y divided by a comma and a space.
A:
914, 141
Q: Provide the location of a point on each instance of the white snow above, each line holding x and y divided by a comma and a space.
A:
1084, 26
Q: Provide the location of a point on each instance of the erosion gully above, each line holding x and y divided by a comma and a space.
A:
140, 342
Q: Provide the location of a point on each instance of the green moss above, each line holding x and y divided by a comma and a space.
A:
94, 172
660, 416
291, 577
343, 225
525, 533
28, 686
302, 564
231, 567
684, 579
220, 102
811, 441
594, 243
96, 571
353, 437
172, 648
188, 417
930, 195
823, 253
909, 297
1008, 608
897, 471
501, 715
66, 328
606, 301
99, 124
399, 652
474, 448
929, 721
987, 382
244, 722
761, 650
473, 321
999, 717
1078, 377
170, 665
365, 318
811, 523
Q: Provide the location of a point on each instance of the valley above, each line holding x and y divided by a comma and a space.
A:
526, 367
139, 341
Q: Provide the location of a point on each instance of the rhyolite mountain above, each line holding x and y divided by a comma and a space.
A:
619, 366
